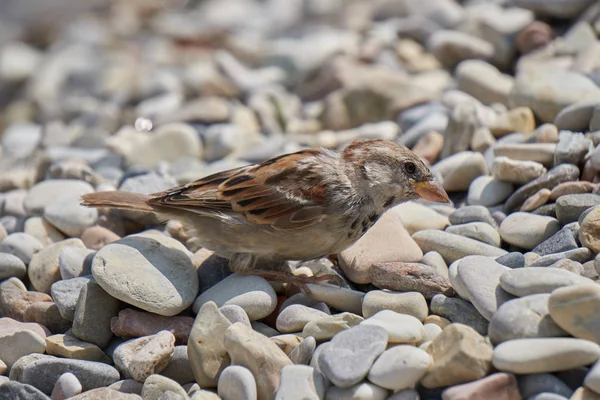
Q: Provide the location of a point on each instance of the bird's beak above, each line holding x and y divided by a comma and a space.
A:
431, 191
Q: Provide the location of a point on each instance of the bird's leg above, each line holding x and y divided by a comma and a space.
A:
272, 270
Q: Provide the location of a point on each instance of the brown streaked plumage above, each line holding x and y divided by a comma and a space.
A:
297, 206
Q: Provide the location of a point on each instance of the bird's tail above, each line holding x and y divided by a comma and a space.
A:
117, 199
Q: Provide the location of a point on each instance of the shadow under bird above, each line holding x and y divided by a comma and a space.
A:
298, 206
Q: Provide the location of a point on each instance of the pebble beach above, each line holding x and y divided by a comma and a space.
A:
495, 296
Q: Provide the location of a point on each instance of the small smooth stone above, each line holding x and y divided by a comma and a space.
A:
498, 386
237, 383
131, 323
570, 207
105, 393
179, 368
296, 316
66, 386
575, 309
93, 313
561, 241
362, 391
516, 171
43, 371
400, 367
75, 261
304, 352
467, 214
68, 216
584, 394
15, 299
263, 329
537, 200
532, 384
401, 328
577, 116
11, 266
589, 233
488, 191
44, 268
452, 47
483, 81
592, 379
527, 230
459, 311
235, 314
301, 382
254, 294
581, 254
327, 327
557, 175
435, 259
411, 303
578, 187
142, 357
10, 325
378, 246
45, 193
206, 349
480, 231
42, 230
480, 277
128, 386
518, 119
542, 153
453, 247
460, 169
68, 346
526, 317
152, 273
287, 342
351, 354
340, 298
260, 355
431, 331
429, 146
512, 260
571, 148
530, 356
16, 390
16, 343
65, 294
418, 217
156, 385
47, 314
533, 280
96, 237
459, 355
21, 245
410, 277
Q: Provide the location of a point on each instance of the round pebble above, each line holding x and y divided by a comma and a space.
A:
400, 367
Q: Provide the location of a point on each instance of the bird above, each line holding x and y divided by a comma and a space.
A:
293, 207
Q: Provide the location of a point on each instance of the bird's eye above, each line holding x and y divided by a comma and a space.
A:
410, 167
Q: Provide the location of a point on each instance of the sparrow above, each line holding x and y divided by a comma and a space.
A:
294, 207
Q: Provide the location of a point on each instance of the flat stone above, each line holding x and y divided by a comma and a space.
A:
340, 298
577, 187
142, 357
364, 390
301, 382
480, 231
16, 343
472, 213
571, 206
512, 260
418, 217
530, 356
238, 383
526, 317
68, 216
304, 352
562, 240
400, 367
459, 311
351, 354
131, 323
44, 268
459, 355
453, 247
47, 314
501, 386
67, 386
206, 347
533, 280
527, 230
483, 81
488, 191
154, 274
257, 353
401, 328
296, 316
93, 313
43, 371
68, 346
481, 279
460, 169
15, 299
254, 294
589, 233
574, 309
74, 262
411, 303
65, 294
17, 390
45, 193
516, 171
155, 386
179, 368
377, 246
410, 277
327, 327
557, 175
537, 200
21, 245
580, 255
96, 237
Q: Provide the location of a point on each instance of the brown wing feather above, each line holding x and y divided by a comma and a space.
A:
260, 193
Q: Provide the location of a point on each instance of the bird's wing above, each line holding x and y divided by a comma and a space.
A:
286, 192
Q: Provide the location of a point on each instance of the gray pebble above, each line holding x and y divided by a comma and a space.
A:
65, 294
582, 254
16, 391
533, 384
303, 353
459, 311
468, 214
11, 265
75, 261
548, 210
179, 368
570, 207
21, 245
66, 386
68, 216
571, 148
562, 240
235, 314
237, 383
512, 260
